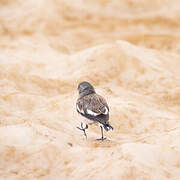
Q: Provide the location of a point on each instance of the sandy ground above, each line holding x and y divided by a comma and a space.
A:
129, 50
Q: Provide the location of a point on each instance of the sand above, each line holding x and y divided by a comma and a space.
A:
129, 50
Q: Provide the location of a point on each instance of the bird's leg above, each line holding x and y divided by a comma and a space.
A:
83, 129
102, 138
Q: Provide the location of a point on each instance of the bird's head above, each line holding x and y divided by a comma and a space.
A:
85, 88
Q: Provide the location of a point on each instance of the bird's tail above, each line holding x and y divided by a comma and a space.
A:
107, 126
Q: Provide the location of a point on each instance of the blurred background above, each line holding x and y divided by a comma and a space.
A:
70, 26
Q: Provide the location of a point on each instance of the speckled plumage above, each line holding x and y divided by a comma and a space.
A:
96, 104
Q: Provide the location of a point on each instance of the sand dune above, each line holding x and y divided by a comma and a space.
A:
129, 50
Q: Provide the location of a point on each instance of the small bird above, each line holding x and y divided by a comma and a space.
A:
93, 107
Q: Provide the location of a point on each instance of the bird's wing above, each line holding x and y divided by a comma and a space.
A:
79, 106
95, 105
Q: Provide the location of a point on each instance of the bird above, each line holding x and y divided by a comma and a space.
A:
93, 108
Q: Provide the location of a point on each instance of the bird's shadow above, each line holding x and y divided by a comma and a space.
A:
107, 143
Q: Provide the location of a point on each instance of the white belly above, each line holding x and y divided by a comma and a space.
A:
87, 121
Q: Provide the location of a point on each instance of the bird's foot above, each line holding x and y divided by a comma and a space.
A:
101, 139
83, 129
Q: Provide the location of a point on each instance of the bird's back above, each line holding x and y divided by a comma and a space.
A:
93, 107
